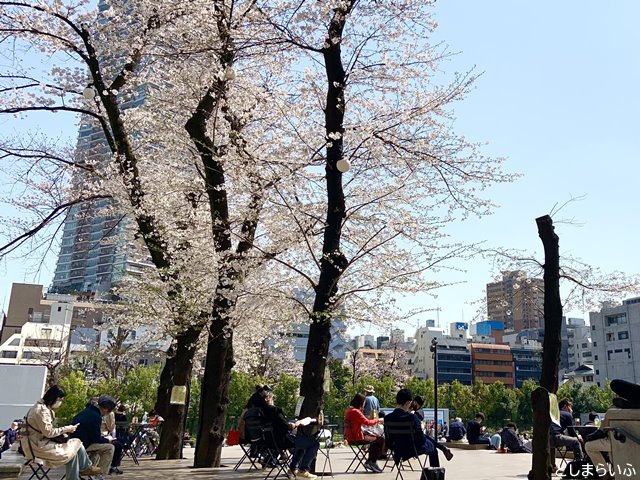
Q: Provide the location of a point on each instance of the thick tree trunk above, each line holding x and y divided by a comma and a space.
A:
176, 372
540, 465
333, 261
541, 462
214, 398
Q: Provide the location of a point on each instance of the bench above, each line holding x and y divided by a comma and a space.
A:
467, 446
10, 470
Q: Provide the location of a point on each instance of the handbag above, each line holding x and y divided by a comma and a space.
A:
63, 438
432, 473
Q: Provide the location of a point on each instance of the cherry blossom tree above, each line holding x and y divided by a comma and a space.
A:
391, 171
173, 165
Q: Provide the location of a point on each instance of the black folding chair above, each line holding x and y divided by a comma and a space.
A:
359, 448
402, 433
275, 456
126, 438
253, 449
38, 470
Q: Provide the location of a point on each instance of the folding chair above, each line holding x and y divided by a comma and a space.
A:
359, 448
253, 449
402, 433
328, 440
125, 437
38, 470
275, 456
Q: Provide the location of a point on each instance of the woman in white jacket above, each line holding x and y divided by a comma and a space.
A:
37, 441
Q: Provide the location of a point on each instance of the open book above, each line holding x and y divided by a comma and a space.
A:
306, 421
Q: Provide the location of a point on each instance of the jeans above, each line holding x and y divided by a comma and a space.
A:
306, 449
78, 463
430, 450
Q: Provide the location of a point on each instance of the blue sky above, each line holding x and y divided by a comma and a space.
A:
559, 97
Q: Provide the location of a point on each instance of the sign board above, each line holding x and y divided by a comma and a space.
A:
178, 395
22, 387
443, 415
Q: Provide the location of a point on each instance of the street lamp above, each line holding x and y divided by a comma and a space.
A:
434, 349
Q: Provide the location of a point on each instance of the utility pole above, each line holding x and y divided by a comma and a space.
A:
434, 349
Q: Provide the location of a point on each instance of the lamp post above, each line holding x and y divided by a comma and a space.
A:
434, 349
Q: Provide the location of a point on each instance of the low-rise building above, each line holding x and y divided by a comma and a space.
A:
492, 363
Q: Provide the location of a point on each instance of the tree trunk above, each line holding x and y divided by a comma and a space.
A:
176, 372
541, 462
214, 398
540, 465
333, 260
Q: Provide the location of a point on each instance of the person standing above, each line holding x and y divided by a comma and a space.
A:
88, 431
371, 403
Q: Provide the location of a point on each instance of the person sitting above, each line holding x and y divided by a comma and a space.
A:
37, 441
354, 420
9, 437
511, 441
421, 443
121, 414
456, 430
284, 439
89, 422
108, 430
475, 431
564, 435
591, 426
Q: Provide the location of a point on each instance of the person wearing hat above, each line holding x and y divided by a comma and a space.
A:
371, 403
89, 422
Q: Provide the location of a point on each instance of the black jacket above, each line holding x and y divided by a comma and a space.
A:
88, 431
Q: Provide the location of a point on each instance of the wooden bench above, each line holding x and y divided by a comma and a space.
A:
467, 446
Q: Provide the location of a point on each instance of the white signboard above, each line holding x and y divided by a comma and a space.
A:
22, 386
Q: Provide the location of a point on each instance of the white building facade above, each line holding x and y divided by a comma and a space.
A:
615, 335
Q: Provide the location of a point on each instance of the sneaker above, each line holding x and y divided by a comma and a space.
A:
306, 474
373, 466
115, 471
292, 473
448, 454
92, 471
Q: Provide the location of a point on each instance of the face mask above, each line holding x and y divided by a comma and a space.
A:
56, 404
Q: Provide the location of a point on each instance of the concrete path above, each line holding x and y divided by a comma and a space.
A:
465, 465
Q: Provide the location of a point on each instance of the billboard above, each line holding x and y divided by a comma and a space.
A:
22, 386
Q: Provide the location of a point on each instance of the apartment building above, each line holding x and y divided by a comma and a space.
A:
615, 335
492, 363
516, 300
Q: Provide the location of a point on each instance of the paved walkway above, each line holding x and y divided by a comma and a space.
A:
465, 465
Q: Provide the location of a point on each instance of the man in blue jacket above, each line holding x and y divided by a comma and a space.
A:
98, 447
421, 443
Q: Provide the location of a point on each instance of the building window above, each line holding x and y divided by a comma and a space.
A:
623, 335
619, 319
595, 344
610, 337
59, 309
595, 357
598, 373
9, 354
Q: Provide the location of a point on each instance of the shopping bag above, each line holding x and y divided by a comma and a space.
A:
233, 437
